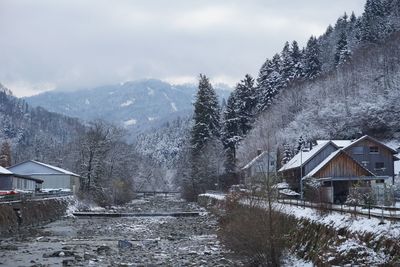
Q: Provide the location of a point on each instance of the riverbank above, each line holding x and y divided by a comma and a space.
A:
134, 241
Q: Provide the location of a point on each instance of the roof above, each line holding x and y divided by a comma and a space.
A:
58, 169
373, 140
302, 158
4, 171
254, 160
338, 143
331, 157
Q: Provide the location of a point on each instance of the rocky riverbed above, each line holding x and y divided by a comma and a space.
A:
133, 241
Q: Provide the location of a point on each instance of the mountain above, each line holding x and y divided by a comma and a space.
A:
35, 133
138, 105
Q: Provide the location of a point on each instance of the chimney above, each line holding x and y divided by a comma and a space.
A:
259, 151
311, 144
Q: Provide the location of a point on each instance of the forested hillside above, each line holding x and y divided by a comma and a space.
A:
35, 133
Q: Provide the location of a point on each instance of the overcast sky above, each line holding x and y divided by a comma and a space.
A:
72, 44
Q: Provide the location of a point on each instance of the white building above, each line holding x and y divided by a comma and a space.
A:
53, 177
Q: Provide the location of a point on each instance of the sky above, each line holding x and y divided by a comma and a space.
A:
75, 44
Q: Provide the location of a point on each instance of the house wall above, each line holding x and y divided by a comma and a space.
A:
369, 160
341, 166
5, 182
23, 184
260, 166
318, 158
55, 181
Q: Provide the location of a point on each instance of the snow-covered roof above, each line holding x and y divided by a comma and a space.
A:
57, 169
338, 143
254, 160
329, 158
4, 171
304, 157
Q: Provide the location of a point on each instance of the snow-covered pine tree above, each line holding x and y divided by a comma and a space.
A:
287, 154
375, 24
312, 64
287, 69
342, 53
206, 115
245, 97
296, 56
230, 133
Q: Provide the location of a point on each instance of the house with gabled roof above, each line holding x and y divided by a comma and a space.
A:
53, 177
258, 168
338, 164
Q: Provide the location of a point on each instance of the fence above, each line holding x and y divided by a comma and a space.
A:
33, 196
381, 212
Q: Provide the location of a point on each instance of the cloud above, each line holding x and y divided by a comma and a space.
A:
73, 44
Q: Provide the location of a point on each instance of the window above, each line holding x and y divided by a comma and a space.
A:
380, 181
373, 150
357, 150
379, 165
272, 163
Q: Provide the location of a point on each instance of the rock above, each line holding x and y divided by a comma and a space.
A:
88, 256
103, 250
68, 262
124, 244
8, 247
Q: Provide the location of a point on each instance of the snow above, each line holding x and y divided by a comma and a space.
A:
150, 91
152, 118
254, 160
336, 220
87, 102
4, 171
55, 168
128, 102
130, 122
173, 106
339, 143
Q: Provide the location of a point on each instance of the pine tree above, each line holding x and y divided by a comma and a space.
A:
206, 115
287, 154
5, 154
342, 53
269, 82
296, 56
375, 24
230, 134
287, 70
312, 64
245, 97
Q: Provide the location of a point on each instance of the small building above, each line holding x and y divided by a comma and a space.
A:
259, 168
53, 177
10, 181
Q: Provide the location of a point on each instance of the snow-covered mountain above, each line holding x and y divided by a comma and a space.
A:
138, 106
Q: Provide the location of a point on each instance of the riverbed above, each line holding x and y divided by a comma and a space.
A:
121, 241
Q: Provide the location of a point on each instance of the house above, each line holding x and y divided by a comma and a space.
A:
11, 181
338, 164
53, 177
255, 170
304, 162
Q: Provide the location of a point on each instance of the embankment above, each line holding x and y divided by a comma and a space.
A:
331, 238
15, 216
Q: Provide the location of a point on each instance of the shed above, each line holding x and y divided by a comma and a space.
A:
53, 177
11, 181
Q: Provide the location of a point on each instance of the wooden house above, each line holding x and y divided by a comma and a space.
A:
338, 164
53, 177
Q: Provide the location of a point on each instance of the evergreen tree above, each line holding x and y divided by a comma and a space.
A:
312, 64
287, 70
296, 56
206, 115
230, 134
342, 53
5, 154
245, 97
287, 154
374, 24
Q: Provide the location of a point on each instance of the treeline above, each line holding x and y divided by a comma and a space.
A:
338, 86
